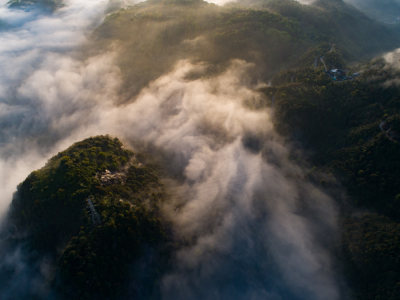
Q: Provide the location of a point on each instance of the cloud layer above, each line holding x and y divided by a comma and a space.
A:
253, 224
254, 227
34, 45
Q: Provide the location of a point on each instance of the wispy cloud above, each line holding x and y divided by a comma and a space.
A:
254, 227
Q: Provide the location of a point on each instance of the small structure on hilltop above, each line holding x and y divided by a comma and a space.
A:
338, 74
109, 178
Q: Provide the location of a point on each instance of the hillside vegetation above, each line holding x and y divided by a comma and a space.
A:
352, 129
152, 36
93, 210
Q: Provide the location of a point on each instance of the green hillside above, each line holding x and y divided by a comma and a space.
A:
351, 129
152, 36
92, 209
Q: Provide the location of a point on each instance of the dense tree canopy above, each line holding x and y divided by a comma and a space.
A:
152, 36
93, 208
350, 128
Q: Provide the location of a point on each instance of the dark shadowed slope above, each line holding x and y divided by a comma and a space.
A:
351, 129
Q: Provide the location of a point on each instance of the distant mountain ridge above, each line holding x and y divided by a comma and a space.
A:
50, 5
273, 34
387, 11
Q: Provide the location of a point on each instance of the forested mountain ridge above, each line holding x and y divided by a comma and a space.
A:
90, 216
152, 36
351, 129
387, 11
92, 211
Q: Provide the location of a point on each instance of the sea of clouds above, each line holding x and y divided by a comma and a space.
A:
255, 227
